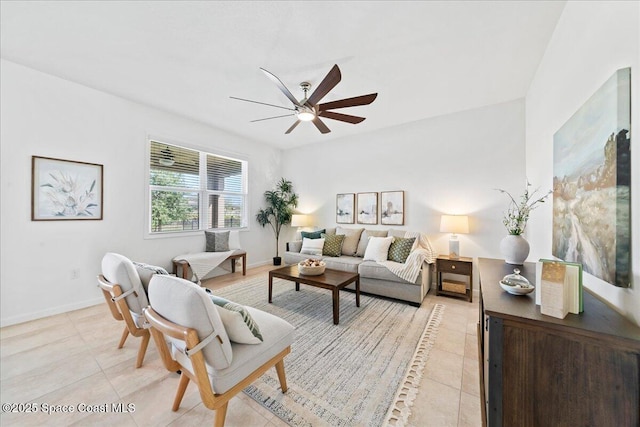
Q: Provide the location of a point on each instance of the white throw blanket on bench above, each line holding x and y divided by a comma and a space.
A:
204, 263
410, 270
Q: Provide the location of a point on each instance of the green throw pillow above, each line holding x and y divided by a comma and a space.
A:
400, 249
311, 234
239, 324
332, 244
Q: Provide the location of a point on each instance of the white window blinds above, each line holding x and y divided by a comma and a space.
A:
193, 190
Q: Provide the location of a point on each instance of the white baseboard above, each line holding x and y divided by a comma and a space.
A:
49, 312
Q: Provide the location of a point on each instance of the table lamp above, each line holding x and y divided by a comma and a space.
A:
301, 221
454, 224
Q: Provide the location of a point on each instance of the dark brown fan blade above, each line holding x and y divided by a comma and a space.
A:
329, 82
342, 117
282, 87
320, 125
274, 117
293, 126
348, 102
263, 103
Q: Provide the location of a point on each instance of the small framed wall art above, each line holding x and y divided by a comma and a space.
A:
367, 208
344, 208
65, 190
392, 207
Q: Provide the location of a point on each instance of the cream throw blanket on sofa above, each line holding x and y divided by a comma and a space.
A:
422, 253
203, 263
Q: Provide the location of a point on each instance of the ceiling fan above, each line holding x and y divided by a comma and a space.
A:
308, 109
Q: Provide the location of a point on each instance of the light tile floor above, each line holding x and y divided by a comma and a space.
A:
70, 362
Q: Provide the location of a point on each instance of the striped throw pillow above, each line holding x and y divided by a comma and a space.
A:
239, 324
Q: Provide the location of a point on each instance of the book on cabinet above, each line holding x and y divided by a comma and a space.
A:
560, 282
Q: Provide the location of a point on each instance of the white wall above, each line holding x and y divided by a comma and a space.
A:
592, 41
449, 164
46, 116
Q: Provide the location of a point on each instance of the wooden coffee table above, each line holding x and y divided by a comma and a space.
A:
333, 280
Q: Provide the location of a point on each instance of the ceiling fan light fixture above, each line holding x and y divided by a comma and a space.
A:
306, 116
166, 157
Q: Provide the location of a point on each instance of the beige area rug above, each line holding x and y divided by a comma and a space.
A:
362, 372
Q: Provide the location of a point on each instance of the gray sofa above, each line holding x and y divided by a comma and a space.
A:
374, 278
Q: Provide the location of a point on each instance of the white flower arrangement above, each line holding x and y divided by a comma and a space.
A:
517, 215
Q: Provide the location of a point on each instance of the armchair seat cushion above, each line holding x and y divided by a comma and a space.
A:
277, 334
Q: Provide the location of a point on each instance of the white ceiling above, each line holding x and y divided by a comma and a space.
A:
424, 59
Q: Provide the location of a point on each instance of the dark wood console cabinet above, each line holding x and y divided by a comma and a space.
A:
536, 370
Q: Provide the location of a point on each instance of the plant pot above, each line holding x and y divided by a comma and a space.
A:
277, 260
514, 249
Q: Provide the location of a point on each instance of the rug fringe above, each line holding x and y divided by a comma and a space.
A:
399, 412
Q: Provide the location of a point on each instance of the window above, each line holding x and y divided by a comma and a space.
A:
192, 190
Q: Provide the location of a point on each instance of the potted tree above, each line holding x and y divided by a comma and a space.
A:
280, 204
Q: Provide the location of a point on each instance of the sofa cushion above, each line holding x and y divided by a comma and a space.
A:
343, 263
378, 248
312, 234
397, 233
296, 257
400, 249
312, 246
332, 245
351, 239
217, 241
364, 240
373, 270
330, 231
295, 246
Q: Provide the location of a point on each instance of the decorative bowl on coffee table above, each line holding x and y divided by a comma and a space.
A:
311, 267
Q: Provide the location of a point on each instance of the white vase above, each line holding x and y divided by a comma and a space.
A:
514, 249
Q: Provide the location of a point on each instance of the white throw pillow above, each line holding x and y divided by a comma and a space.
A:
237, 321
312, 246
378, 249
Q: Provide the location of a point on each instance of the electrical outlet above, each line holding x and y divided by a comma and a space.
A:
75, 273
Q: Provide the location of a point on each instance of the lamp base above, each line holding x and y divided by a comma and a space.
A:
454, 249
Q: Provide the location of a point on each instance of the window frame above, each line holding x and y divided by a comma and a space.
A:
203, 192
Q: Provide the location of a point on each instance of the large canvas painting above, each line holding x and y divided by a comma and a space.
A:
592, 180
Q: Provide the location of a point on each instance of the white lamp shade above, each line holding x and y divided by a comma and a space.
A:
456, 224
299, 220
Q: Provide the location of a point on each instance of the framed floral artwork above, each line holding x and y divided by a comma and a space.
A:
65, 190
367, 208
344, 208
392, 207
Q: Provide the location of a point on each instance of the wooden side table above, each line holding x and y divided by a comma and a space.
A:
455, 288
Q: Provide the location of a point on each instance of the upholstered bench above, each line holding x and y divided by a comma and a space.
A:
185, 267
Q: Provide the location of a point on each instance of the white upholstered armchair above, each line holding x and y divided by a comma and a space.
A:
190, 335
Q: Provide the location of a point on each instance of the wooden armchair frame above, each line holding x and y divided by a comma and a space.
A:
120, 311
217, 402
